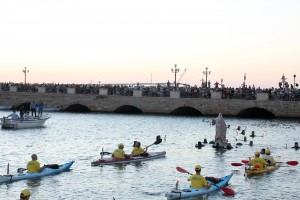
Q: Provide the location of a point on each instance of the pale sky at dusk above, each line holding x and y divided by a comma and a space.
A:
125, 41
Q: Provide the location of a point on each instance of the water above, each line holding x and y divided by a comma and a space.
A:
80, 137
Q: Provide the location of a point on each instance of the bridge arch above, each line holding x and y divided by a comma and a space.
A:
256, 112
186, 111
128, 109
76, 108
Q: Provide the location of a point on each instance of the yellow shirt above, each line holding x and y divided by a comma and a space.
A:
137, 151
197, 181
33, 166
119, 153
258, 163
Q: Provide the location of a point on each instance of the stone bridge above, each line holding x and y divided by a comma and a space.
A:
173, 105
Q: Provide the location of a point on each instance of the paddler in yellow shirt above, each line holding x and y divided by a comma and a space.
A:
257, 162
138, 150
34, 165
197, 180
120, 153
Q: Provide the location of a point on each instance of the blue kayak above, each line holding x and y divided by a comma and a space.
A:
191, 192
46, 172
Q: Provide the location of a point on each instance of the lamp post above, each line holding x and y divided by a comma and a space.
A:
25, 71
175, 70
294, 80
206, 73
245, 79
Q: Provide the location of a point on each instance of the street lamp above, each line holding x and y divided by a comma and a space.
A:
245, 79
294, 80
175, 70
206, 73
25, 71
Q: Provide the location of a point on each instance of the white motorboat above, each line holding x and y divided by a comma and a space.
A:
5, 107
52, 108
7, 123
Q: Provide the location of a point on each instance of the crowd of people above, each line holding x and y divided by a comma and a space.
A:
36, 110
163, 90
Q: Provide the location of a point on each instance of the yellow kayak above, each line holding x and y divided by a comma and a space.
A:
253, 171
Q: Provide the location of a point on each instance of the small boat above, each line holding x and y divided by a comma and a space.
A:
52, 108
253, 171
5, 107
191, 192
111, 161
46, 172
7, 123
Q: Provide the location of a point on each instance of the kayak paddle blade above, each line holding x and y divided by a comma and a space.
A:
293, 163
245, 161
228, 191
237, 164
181, 170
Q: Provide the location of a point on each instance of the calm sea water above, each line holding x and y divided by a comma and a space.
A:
80, 137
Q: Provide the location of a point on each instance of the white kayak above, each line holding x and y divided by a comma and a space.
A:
191, 192
111, 161
46, 172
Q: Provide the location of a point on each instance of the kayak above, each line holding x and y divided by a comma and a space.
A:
191, 192
46, 172
253, 171
111, 161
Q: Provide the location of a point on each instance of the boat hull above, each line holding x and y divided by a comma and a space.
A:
111, 161
20, 124
191, 192
46, 172
253, 172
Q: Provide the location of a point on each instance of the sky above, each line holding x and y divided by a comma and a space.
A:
130, 41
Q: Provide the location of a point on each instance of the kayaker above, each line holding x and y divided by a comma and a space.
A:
197, 180
257, 162
251, 143
296, 146
120, 153
25, 194
138, 150
34, 165
269, 158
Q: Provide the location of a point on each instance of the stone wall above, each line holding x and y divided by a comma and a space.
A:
159, 105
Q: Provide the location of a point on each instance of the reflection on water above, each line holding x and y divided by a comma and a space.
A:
81, 137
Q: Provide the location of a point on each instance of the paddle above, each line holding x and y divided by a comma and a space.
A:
237, 164
245, 161
104, 153
292, 163
227, 191
158, 141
